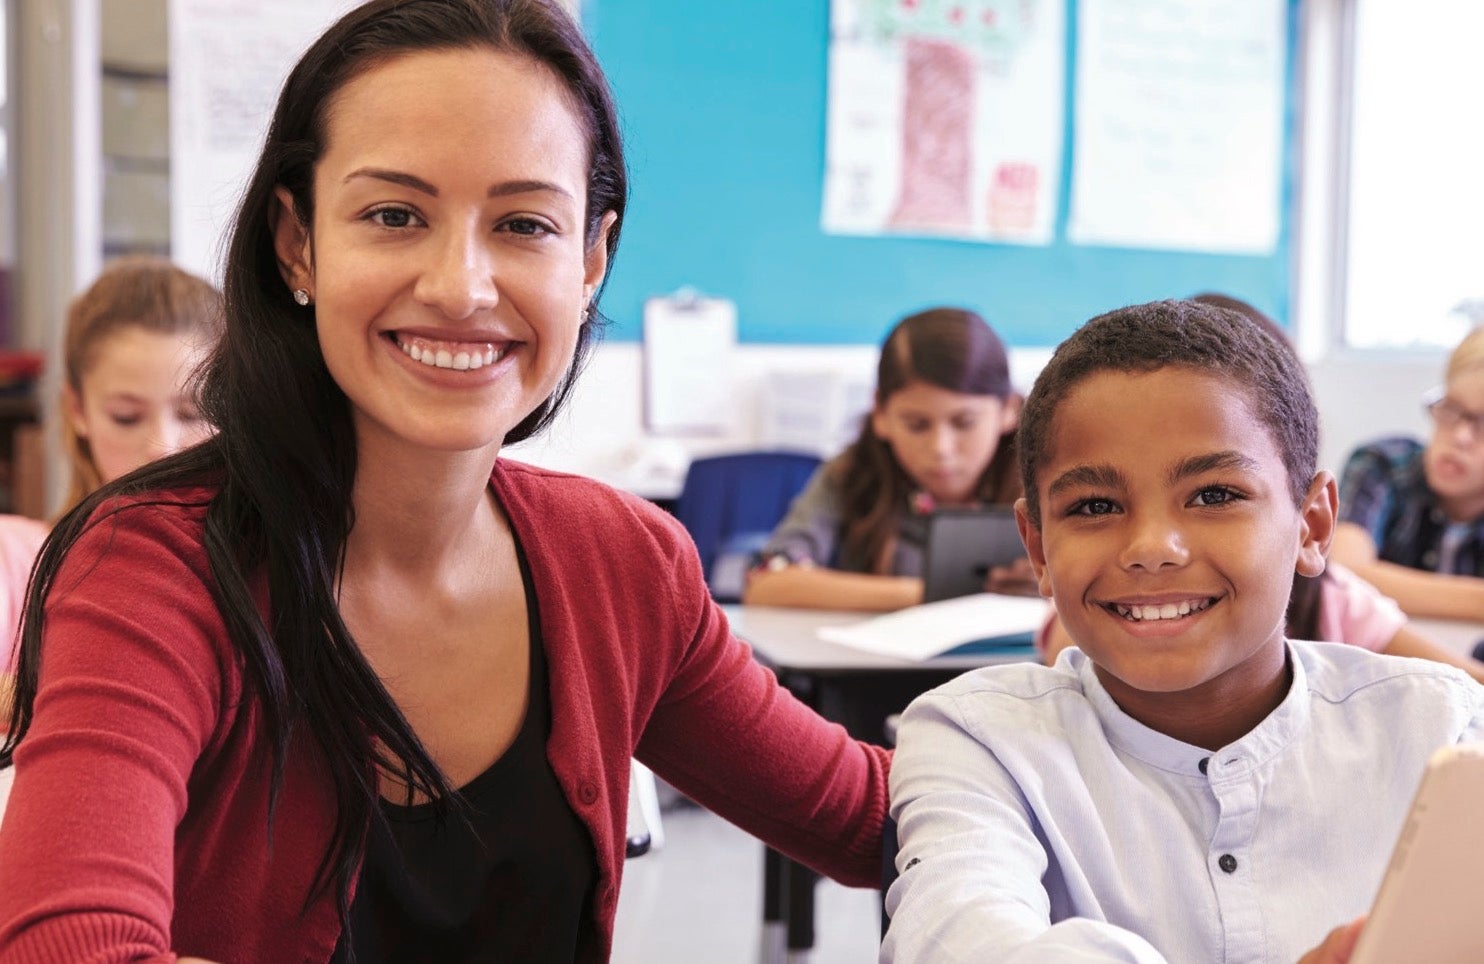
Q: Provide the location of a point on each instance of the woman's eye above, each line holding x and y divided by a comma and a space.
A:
1215, 495
526, 227
392, 217
125, 421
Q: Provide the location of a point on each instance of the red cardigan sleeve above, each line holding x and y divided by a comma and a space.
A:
130, 693
730, 737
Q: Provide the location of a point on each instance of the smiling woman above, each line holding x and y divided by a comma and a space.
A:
344, 682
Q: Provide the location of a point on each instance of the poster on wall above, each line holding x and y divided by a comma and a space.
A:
228, 60
1179, 124
945, 118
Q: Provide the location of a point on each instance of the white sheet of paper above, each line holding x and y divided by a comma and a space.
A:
688, 345
228, 60
1179, 124
921, 632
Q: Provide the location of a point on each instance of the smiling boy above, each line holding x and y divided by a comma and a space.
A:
1188, 785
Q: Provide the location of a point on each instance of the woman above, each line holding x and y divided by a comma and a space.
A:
357, 667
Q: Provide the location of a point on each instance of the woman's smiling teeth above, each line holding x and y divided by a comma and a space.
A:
1177, 610
458, 355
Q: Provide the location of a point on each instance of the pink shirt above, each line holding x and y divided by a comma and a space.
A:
20, 540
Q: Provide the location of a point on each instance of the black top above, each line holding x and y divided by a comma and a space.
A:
514, 883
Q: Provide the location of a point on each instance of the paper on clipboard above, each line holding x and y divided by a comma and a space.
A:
688, 342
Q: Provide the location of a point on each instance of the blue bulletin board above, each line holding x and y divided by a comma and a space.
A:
723, 107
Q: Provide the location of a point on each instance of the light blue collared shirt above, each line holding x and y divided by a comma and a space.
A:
1039, 822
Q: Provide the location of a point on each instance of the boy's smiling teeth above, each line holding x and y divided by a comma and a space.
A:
1164, 611
458, 355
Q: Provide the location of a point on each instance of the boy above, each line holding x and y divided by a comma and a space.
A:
1412, 517
1188, 785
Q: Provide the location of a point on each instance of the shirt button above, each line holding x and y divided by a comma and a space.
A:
1205, 761
587, 793
1227, 863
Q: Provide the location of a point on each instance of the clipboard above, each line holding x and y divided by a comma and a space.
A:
1427, 908
688, 346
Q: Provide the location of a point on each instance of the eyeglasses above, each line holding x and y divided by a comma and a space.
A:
1448, 415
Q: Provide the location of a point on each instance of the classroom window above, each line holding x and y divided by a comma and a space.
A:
1414, 275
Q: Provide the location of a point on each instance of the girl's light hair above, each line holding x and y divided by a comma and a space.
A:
1468, 355
142, 292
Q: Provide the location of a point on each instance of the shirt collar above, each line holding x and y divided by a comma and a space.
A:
1271, 736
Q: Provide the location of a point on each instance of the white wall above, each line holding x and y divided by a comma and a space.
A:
601, 432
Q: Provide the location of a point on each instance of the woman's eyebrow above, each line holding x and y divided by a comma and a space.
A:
502, 189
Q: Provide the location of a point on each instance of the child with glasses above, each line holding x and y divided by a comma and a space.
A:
1412, 515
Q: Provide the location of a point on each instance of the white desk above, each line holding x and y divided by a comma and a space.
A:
1454, 634
842, 684
788, 641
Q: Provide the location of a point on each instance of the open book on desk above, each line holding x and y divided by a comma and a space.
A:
963, 626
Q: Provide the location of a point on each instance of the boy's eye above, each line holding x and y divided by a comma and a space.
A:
964, 422
1214, 495
1093, 507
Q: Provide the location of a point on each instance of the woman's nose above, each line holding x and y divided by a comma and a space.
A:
459, 278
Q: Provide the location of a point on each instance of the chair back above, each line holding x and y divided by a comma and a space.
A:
730, 503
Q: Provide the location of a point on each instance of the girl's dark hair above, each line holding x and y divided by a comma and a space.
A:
950, 348
1188, 334
285, 455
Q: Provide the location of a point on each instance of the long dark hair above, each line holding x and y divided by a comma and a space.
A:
951, 348
285, 457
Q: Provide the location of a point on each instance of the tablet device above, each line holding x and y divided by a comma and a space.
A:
1427, 909
960, 546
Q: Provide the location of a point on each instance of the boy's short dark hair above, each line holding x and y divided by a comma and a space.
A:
1161, 334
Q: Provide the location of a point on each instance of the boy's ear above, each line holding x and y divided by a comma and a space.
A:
291, 243
1010, 414
1030, 534
1318, 516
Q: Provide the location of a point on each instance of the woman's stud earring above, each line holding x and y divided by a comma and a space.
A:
301, 297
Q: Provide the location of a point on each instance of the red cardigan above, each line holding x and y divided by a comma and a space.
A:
138, 824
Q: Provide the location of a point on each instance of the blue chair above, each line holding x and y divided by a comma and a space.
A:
730, 503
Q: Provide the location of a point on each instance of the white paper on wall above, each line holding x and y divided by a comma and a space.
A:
1179, 124
688, 345
228, 61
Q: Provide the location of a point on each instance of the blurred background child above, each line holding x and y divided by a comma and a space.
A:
1412, 515
941, 432
132, 341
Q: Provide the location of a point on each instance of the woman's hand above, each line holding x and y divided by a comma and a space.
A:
1338, 946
